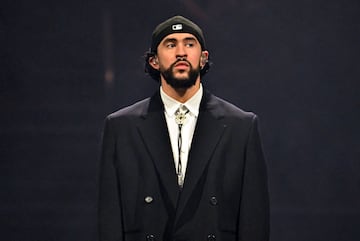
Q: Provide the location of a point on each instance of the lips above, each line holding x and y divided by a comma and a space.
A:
182, 64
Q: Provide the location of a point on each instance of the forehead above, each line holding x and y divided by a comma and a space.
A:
179, 37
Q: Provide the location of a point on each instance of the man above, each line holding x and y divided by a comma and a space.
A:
183, 164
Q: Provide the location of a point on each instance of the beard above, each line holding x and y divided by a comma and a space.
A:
180, 83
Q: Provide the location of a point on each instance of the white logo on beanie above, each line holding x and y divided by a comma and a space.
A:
177, 27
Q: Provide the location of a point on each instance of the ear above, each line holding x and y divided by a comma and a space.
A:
204, 58
154, 62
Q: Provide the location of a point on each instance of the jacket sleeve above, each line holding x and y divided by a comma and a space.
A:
109, 211
254, 206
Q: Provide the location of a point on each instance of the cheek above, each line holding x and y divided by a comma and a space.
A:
196, 63
165, 63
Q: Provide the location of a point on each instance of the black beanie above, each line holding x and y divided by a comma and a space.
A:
176, 24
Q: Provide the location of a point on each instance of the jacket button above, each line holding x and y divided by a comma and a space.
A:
213, 201
150, 237
211, 237
149, 199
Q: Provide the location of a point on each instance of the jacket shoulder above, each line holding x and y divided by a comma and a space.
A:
134, 110
229, 110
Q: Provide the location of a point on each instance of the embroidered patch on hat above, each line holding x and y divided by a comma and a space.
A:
177, 27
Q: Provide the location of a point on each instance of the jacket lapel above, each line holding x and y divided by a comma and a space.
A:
154, 132
208, 132
206, 136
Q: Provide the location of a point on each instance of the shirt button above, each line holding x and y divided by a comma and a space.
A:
211, 237
149, 199
150, 237
213, 201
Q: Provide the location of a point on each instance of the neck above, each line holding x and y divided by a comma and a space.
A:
180, 94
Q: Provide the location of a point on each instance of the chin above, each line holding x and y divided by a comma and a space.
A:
181, 76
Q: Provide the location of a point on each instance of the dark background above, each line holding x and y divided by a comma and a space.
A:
66, 64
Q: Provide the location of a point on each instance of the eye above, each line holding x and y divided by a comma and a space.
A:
170, 45
189, 44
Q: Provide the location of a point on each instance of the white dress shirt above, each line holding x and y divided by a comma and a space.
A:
171, 105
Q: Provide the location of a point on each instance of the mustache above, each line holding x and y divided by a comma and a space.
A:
181, 60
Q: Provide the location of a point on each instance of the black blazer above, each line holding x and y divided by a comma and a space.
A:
225, 193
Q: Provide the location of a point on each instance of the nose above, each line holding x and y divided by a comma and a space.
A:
181, 58
180, 52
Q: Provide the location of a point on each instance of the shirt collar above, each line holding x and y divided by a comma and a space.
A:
193, 104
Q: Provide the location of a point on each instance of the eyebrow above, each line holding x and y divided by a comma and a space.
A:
176, 40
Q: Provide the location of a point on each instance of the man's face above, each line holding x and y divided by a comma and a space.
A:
178, 60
